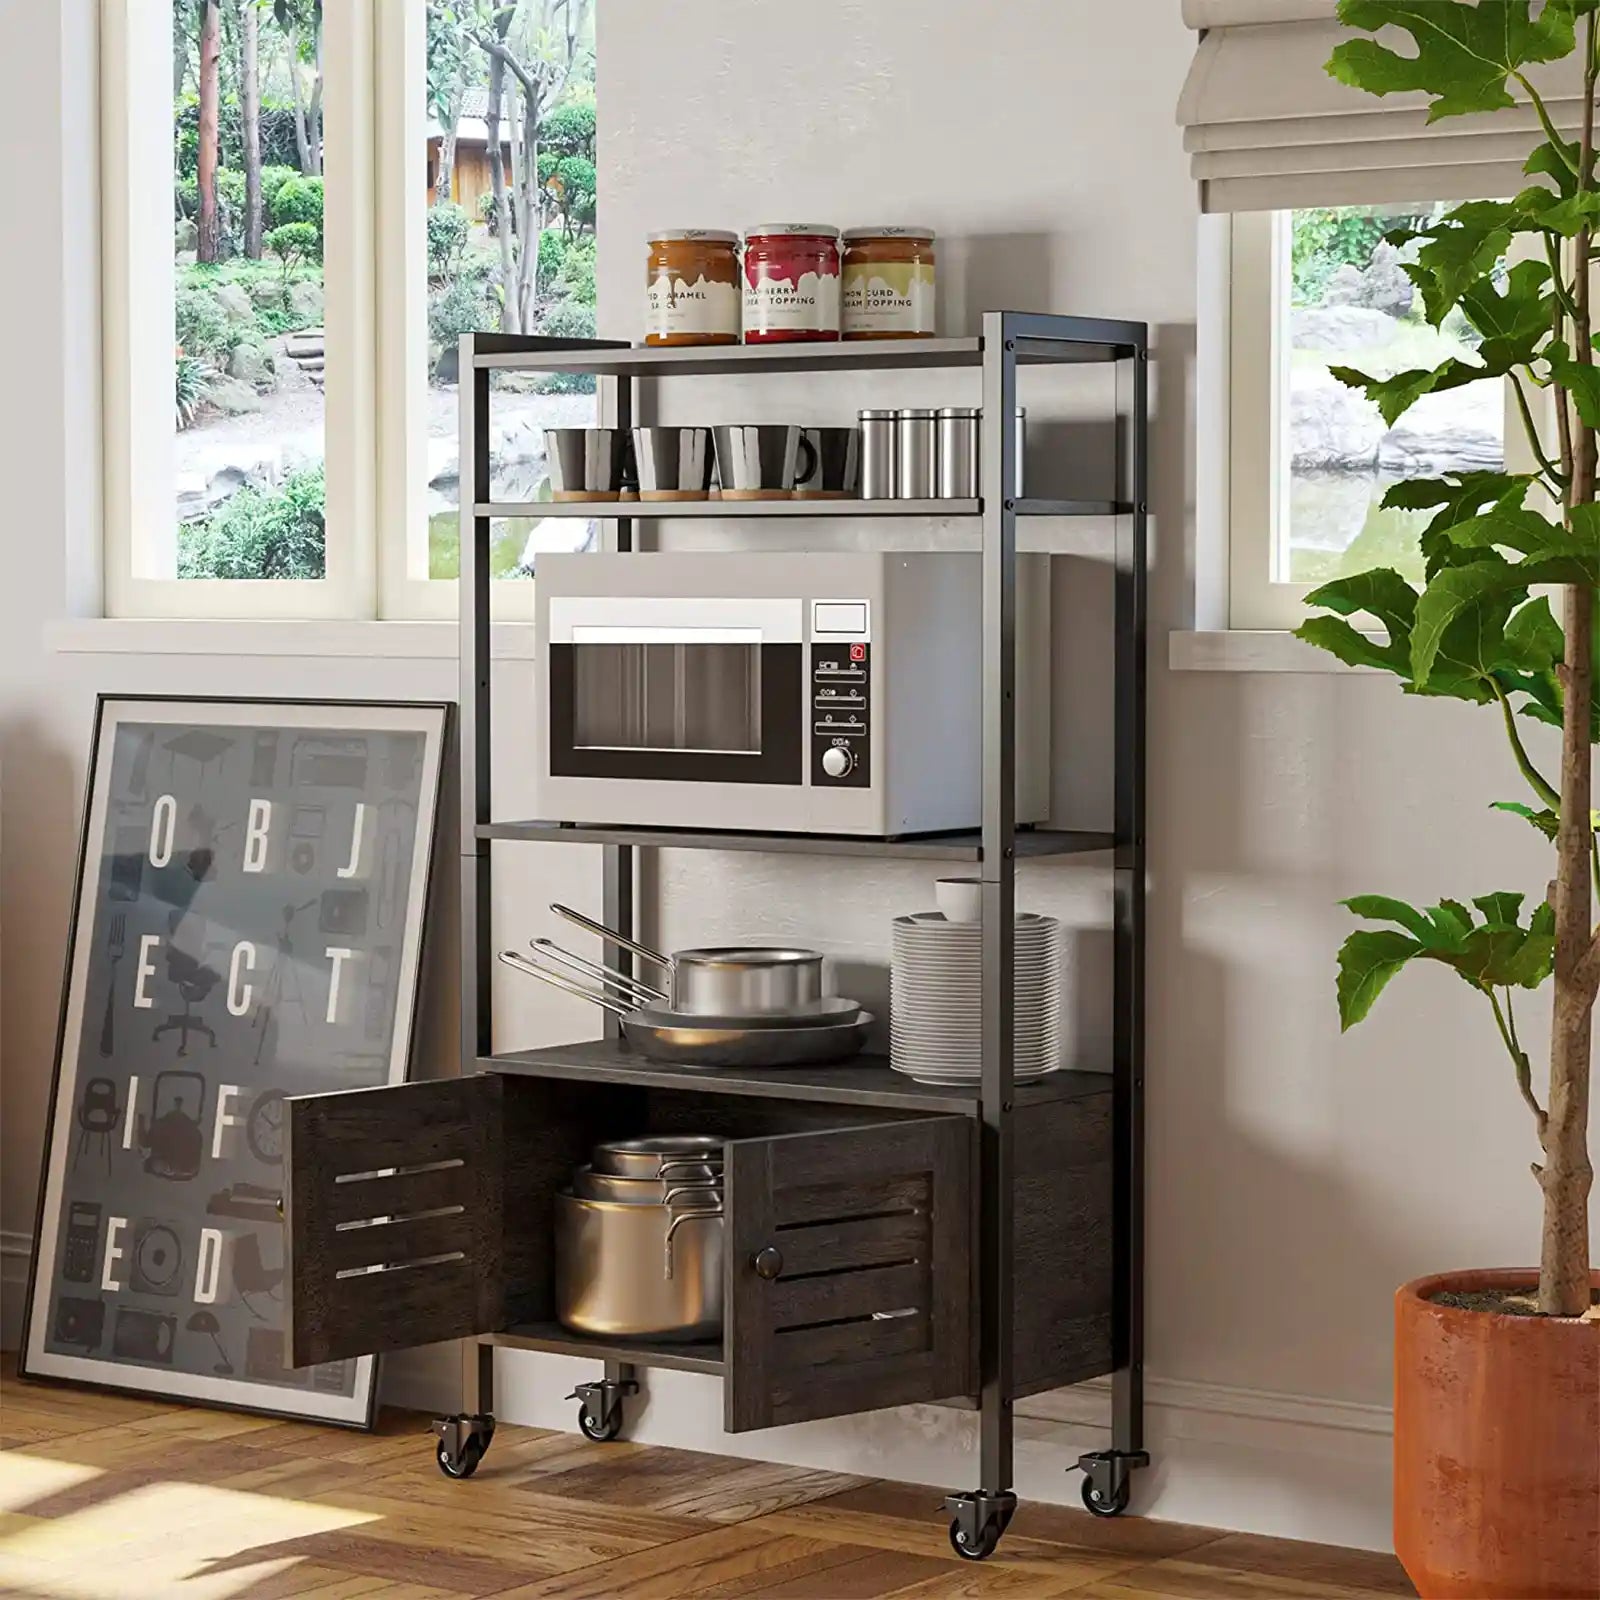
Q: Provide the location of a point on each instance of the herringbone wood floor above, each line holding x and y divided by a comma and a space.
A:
107, 1498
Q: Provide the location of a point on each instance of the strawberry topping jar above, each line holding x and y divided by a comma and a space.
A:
791, 282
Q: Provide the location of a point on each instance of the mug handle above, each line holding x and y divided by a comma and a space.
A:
806, 449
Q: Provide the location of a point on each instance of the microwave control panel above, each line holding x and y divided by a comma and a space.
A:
841, 744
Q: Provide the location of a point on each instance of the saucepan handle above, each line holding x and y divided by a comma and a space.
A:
515, 958
578, 920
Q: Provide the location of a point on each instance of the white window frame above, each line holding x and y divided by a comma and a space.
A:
1257, 489
375, 394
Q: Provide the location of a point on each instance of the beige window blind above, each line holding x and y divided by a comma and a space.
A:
1266, 127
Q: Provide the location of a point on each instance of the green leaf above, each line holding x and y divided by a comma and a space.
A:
1513, 323
1513, 528
1503, 907
1576, 212
1464, 53
1556, 159
1354, 648
1380, 592
1534, 640
1367, 961
1580, 379
1459, 496
1382, 908
1395, 396
1547, 822
1451, 918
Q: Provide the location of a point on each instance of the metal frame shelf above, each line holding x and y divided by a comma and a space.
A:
1009, 340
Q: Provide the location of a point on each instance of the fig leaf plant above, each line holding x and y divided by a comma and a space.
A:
1481, 626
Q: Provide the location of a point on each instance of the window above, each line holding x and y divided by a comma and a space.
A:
1310, 459
305, 205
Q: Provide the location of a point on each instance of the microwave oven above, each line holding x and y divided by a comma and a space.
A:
826, 692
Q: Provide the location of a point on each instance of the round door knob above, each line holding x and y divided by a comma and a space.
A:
768, 1262
836, 761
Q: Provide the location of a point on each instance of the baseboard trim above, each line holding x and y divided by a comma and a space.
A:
16, 1251
1089, 1405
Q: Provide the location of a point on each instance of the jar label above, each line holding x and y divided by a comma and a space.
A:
807, 303
889, 297
676, 307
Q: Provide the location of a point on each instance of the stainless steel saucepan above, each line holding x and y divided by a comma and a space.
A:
699, 1042
731, 980
646, 1271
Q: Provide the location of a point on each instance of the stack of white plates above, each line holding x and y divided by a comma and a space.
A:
936, 998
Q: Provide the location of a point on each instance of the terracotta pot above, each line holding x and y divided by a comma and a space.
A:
1496, 1446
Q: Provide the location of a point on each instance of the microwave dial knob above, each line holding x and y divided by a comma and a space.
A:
837, 761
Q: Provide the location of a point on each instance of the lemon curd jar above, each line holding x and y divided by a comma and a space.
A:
887, 283
692, 294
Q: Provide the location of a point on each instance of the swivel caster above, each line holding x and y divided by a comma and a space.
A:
463, 1442
987, 1542
978, 1522
1113, 1506
1108, 1480
600, 1412
462, 1465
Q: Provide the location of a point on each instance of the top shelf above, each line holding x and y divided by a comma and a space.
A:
1082, 339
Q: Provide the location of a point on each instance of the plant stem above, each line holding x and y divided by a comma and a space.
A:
1567, 1175
1507, 1024
1557, 143
1536, 779
1551, 470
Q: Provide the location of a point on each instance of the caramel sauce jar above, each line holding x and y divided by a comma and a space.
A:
692, 287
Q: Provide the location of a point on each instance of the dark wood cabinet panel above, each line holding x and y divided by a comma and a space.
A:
849, 1263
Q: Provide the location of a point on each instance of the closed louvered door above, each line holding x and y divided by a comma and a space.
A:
848, 1271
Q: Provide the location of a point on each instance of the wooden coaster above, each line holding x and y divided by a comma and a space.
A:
673, 494
585, 494
758, 494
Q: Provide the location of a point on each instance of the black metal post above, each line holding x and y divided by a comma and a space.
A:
998, 873
473, 719
619, 909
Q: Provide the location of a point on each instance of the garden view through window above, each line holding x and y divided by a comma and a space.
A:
506, 111
1350, 303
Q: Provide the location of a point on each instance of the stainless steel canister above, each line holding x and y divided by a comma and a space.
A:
956, 452
877, 455
915, 440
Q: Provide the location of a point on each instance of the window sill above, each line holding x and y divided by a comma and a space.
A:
1249, 650
195, 636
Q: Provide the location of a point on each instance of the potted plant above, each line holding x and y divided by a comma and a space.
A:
1497, 1373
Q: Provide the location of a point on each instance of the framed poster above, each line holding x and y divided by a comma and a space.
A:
247, 924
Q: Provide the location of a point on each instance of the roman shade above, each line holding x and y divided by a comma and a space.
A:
1267, 128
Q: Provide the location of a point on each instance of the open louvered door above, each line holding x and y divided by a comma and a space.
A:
848, 1268
393, 1204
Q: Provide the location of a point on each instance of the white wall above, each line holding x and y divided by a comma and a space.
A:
1295, 1177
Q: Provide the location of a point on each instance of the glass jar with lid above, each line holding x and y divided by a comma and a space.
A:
692, 294
791, 282
888, 283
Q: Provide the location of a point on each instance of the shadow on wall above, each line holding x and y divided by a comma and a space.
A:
994, 272
42, 801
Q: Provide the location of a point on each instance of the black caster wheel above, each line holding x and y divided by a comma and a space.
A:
601, 1429
1113, 1506
462, 1466
987, 1543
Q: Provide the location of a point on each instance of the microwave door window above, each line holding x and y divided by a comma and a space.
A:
695, 698
710, 711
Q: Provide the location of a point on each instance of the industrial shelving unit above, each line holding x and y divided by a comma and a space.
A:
998, 1348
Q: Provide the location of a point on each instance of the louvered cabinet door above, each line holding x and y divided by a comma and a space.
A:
848, 1269
393, 1204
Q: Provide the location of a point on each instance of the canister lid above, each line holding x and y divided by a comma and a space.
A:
959, 411
916, 413
792, 230
878, 415
905, 231
697, 235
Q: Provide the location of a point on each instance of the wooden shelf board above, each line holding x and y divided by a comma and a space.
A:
557, 1340
500, 510
1031, 842
866, 1081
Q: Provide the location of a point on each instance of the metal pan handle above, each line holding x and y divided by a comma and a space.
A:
632, 988
578, 919
515, 958
678, 1219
